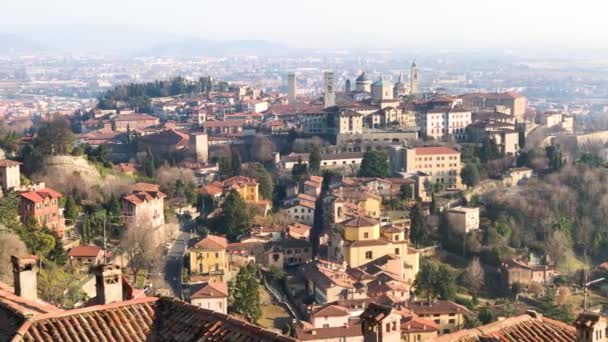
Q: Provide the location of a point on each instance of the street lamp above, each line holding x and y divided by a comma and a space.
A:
585, 290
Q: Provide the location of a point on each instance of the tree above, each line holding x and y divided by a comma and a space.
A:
474, 277
58, 254
435, 282
71, 210
488, 151
245, 294
425, 281
299, 170
418, 235
470, 175
375, 164
554, 154
52, 284
591, 159
141, 250
433, 209
11, 245
259, 172
314, 160
234, 219
54, 137
235, 163
556, 247
406, 192
486, 316
262, 149
225, 167
446, 284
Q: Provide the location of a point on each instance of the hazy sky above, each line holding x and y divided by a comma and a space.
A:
326, 23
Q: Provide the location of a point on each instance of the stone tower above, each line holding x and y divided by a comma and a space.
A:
330, 91
200, 142
414, 91
347, 86
108, 284
291, 88
24, 276
400, 88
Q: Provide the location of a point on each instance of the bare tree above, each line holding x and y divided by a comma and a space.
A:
262, 149
141, 247
10, 244
474, 276
557, 246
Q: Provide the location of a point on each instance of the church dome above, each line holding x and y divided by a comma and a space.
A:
363, 78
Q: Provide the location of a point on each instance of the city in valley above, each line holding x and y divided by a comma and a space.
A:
249, 172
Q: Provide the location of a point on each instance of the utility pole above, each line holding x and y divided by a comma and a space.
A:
585, 290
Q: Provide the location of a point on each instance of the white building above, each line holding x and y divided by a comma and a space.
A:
463, 219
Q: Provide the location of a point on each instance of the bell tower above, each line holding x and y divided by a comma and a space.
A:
414, 91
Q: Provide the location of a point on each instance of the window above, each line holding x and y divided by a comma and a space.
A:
388, 327
397, 251
452, 321
368, 255
365, 235
217, 255
325, 325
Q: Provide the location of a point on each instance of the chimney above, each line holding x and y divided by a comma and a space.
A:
24, 275
590, 327
108, 284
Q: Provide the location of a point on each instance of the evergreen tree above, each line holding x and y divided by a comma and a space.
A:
245, 294
488, 151
314, 160
554, 154
418, 234
225, 167
299, 170
234, 219
470, 175
375, 164
71, 209
235, 163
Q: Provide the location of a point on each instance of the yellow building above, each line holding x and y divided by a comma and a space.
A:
208, 257
247, 187
361, 240
441, 164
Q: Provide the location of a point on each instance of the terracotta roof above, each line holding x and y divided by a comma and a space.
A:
8, 163
376, 312
212, 290
435, 150
438, 307
415, 324
40, 195
330, 310
145, 187
135, 117
212, 242
299, 228
329, 334
84, 251
143, 196
523, 328
227, 123
167, 137
20, 307
144, 319
360, 221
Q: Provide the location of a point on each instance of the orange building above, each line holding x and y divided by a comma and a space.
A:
43, 207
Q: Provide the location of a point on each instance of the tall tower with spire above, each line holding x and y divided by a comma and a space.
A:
414, 90
400, 88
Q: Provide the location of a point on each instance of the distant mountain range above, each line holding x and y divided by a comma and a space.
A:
202, 47
131, 43
12, 43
